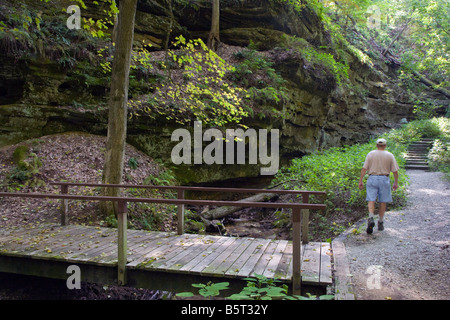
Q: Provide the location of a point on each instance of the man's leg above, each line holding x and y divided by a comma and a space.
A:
372, 193
381, 210
370, 222
371, 206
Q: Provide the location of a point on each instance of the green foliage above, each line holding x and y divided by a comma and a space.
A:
338, 70
141, 61
311, 297
26, 32
150, 216
430, 128
164, 178
208, 290
256, 74
258, 287
20, 154
192, 223
194, 87
322, 58
421, 47
439, 156
27, 170
133, 163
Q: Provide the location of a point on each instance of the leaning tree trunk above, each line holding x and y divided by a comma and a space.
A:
118, 99
214, 34
221, 212
431, 84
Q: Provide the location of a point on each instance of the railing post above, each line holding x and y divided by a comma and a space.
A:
122, 243
305, 222
296, 251
180, 213
64, 205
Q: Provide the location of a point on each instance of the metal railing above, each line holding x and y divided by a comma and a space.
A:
300, 212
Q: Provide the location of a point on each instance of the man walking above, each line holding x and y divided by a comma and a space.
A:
378, 165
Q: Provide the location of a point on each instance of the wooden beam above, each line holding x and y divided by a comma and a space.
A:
343, 282
180, 214
305, 222
296, 251
122, 243
64, 205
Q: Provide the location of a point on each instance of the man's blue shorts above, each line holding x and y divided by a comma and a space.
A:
379, 186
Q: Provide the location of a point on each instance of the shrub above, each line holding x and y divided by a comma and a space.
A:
27, 172
439, 156
20, 154
428, 128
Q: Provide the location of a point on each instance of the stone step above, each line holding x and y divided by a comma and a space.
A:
425, 145
416, 161
416, 164
416, 167
417, 155
420, 156
419, 146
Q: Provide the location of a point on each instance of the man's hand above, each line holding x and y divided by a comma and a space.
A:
361, 177
395, 186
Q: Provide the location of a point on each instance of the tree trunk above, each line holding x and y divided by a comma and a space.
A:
214, 34
396, 37
221, 212
118, 99
431, 84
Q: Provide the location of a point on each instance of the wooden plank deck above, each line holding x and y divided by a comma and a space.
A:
168, 253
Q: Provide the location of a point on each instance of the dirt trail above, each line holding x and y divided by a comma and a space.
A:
410, 259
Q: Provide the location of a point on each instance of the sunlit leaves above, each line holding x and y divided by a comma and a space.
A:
195, 87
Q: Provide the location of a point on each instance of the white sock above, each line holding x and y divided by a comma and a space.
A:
371, 215
380, 219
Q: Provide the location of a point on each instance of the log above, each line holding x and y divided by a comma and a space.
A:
221, 212
431, 84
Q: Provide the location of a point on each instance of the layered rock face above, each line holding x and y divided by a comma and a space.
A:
36, 95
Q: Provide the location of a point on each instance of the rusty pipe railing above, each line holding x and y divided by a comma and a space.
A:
122, 215
180, 194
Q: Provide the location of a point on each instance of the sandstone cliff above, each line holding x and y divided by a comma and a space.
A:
40, 96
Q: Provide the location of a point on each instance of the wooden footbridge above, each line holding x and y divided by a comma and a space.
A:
164, 260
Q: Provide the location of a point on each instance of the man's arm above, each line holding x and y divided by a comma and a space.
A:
395, 186
363, 173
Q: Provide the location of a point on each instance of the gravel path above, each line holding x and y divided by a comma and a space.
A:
410, 259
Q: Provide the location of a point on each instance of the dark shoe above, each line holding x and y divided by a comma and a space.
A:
370, 225
380, 225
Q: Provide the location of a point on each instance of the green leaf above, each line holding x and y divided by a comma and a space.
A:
221, 285
327, 297
185, 294
239, 296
